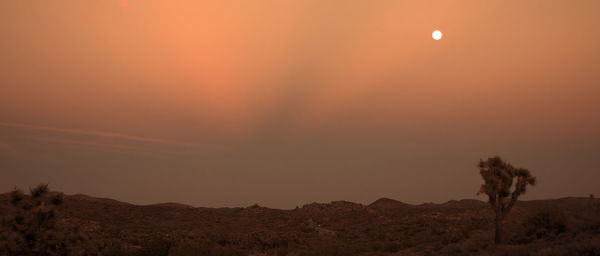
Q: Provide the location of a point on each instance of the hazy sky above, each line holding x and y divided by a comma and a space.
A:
282, 103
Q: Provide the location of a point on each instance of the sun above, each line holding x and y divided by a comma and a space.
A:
437, 35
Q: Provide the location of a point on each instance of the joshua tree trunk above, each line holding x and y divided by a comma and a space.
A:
498, 237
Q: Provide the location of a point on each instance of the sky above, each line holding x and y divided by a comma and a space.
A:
283, 103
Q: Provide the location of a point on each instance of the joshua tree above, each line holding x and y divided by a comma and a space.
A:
499, 177
29, 227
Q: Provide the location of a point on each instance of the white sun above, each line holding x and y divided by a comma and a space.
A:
437, 35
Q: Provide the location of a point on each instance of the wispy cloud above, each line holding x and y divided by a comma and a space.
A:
94, 134
109, 147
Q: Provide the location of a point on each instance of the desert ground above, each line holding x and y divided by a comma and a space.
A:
102, 226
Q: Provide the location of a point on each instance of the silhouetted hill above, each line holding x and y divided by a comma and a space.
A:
465, 203
170, 205
386, 203
97, 200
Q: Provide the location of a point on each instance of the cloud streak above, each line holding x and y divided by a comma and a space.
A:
108, 147
95, 134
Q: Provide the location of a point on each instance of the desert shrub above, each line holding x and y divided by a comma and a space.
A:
118, 250
327, 250
307, 229
203, 248
155, 246
473, 244
545, 224
585, 247
386, 246
224, 251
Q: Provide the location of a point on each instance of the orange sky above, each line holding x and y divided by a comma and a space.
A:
230, 103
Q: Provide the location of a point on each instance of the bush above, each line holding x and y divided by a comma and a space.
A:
156, 246
546, 224
206, 248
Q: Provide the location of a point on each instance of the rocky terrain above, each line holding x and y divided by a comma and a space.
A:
567, 226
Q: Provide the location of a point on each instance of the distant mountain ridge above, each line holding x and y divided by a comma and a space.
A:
381, 203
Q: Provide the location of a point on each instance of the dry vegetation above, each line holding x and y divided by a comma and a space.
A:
569, 226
